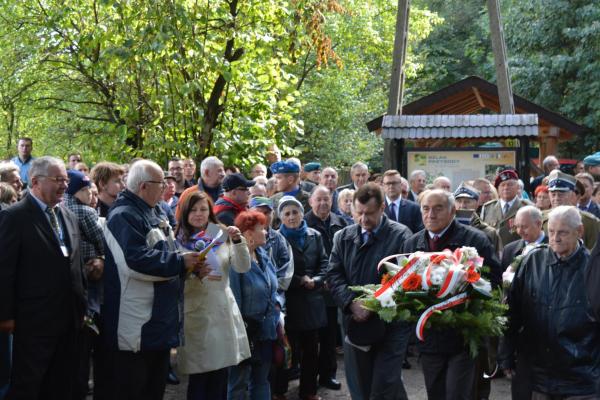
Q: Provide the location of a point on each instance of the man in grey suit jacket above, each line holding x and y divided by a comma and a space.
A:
42, 296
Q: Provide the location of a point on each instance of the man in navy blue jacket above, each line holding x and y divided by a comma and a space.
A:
142, 287
396, 208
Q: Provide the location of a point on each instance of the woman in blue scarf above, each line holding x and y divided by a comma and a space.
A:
304, 301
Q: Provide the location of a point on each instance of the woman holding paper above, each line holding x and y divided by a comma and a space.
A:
255, 293
214, 334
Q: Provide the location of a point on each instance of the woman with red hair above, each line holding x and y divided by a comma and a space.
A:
542, 198
255, 292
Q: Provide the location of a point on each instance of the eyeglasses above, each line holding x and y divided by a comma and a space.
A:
58, 179
242, 189
163, 184
392, 183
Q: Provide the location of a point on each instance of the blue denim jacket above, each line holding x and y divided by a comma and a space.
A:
255, 293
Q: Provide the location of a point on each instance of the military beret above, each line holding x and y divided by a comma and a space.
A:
558, 181
312, 166
284, 167
466, 191
505, 175
592, 160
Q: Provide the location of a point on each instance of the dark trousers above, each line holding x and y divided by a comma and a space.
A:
87, 349
449, 376
138, 376
44, 367
379, 370
520, 384
210, 385
327, 343
308, 351
5, 357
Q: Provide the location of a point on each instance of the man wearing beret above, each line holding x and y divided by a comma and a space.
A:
500, 214
287, 180
564, 191
312, 172
591, 164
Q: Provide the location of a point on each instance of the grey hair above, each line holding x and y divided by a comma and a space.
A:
210, 162
330, 168
358, 165
139, 173
414, 174
532, 211
549, 160
320, 187
439, 192
568, 214
6, 168
41, 165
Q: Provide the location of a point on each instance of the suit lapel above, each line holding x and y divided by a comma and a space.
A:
40, 222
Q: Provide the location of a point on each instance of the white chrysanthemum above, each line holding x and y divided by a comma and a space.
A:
508, 275
387, 299
469, 252
438, 274
483, 286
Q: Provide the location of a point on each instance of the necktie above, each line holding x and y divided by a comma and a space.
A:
505, 210
366, 236
54, 222
393, 211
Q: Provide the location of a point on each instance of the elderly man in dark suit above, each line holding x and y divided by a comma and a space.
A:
42, 296
528, 224
396, 208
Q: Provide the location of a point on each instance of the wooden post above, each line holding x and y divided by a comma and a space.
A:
524, 161
507, 105
390, 152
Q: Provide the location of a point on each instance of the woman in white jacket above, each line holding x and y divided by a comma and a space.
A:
214, 333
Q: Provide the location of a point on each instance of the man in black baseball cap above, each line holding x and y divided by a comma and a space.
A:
234, 199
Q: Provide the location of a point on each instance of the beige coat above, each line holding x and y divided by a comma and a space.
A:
491, 214
214, 333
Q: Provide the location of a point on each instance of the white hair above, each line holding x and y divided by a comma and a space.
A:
532, 211
549, 160
41, 165
210, 162
568, 214
139, 173
439, 192
415, 173
320, 188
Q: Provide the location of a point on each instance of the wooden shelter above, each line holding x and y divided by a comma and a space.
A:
471, 111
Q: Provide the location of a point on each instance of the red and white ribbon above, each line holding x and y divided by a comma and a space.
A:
451, 302
400, 276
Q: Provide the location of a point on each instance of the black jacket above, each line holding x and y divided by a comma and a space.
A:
409, 215
306, 308
43, 291
513, 250
353, 262
327, 229
457, 235
551, 323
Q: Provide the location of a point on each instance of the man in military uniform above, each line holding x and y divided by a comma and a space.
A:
500, 214
564, 191
312, 171
287, 179
466, 200
591, 164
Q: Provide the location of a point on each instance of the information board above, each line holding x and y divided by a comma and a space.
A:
460, 165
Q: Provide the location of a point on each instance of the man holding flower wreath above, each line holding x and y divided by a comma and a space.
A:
448, 368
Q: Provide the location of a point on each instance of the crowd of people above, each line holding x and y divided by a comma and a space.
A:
108, 272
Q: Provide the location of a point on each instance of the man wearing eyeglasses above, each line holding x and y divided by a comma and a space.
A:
142, 288
235, 198
396, 208
42, 297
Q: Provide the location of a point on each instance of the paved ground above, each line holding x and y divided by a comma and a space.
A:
413, 381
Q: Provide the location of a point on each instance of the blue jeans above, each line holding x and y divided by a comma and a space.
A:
5, 357
250, 378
